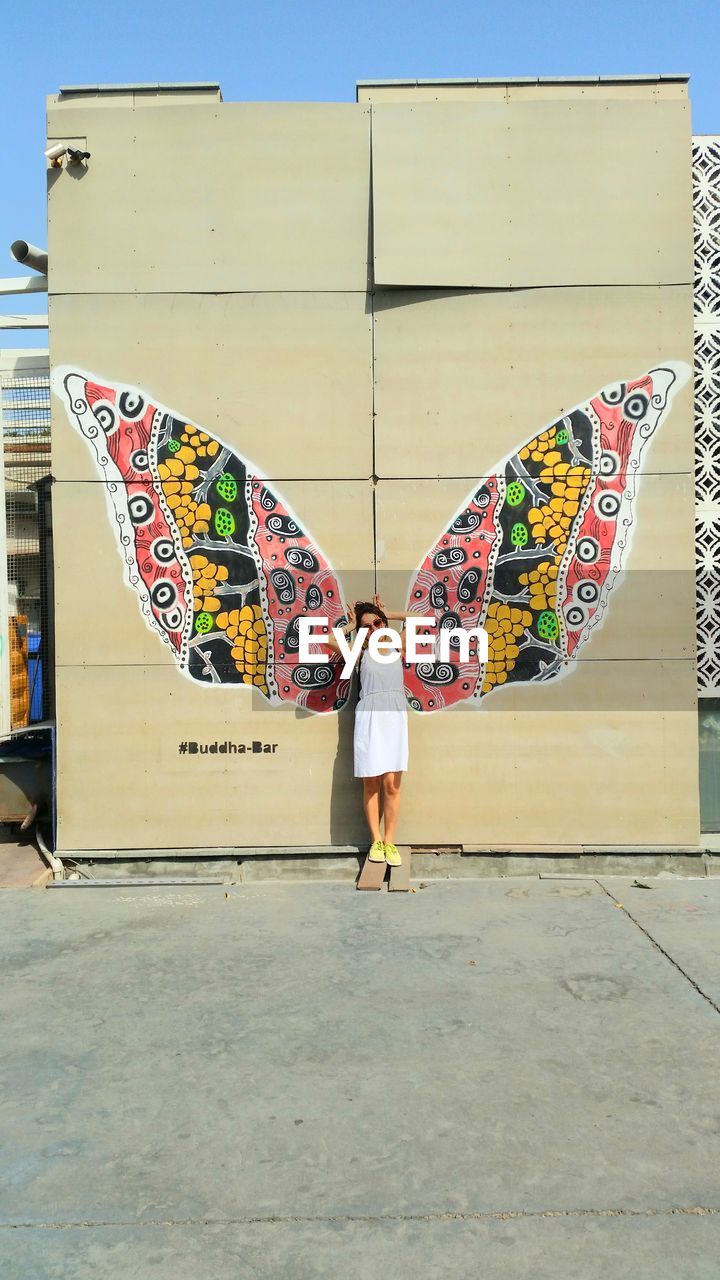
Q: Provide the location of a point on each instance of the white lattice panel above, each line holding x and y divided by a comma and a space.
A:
707, 414
707, 557
706, 219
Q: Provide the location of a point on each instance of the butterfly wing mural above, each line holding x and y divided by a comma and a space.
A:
224, 570
535, 550
221, 566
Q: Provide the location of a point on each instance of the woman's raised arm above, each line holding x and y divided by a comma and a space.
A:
395, 617
349, 626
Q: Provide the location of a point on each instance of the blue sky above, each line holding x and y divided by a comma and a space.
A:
316, 50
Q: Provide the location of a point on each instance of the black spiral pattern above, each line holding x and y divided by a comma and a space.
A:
284, 585
467, 522
301, 558
313, 676
437, 672
449, 558
469, 585
313, 597
283, 526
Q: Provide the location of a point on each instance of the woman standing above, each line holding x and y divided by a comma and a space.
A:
381, 732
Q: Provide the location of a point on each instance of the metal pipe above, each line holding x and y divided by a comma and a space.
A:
23, 284
24, 322
30, 256
54, 863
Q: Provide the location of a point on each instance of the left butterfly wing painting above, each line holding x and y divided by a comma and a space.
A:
222, 568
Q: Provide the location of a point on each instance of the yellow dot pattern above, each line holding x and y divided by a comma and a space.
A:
542, 448
541, 583
552, 521
549, 522
245, 628
179, 474
505, 626
206, 577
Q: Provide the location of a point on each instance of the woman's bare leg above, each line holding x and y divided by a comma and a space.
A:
371, 805
391, 803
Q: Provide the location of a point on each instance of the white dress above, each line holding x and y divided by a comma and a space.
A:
381, 729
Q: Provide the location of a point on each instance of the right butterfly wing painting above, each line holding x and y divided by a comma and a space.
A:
222, 568
535, 550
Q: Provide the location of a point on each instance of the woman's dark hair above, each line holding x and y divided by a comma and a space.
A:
366, 606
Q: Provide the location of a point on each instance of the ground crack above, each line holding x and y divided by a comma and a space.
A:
657, 946
489, 1215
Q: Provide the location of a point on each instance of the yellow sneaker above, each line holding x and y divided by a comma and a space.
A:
392, 855
377, 851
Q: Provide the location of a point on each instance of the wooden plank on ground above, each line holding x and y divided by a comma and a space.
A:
372, 875
21, 866
400, 876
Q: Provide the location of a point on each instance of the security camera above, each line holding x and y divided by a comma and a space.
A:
77, 157
56, 152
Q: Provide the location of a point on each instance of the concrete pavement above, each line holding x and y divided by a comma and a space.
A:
502, 1078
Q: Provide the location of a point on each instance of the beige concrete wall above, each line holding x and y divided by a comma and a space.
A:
285, 377
222, 197
606, 90
510, 194
216, 256
463, 378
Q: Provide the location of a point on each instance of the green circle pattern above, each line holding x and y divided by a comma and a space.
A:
204, 623
227, 487
548, 625
224, 522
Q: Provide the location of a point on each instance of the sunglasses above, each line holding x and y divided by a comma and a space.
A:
373, 626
